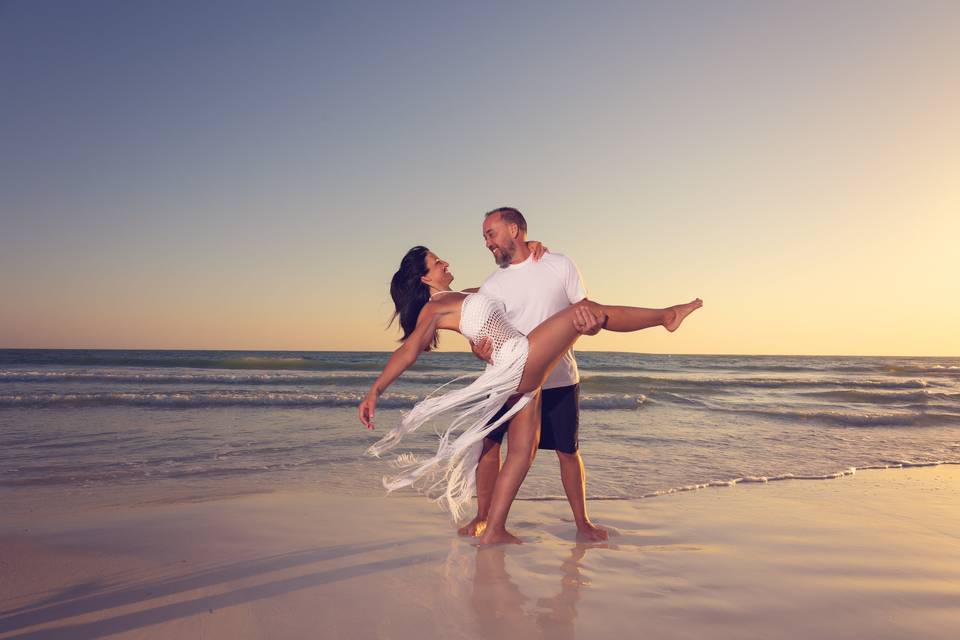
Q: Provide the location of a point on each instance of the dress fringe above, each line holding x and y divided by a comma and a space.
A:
450, 475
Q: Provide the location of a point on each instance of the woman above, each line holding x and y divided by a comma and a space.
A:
425, 304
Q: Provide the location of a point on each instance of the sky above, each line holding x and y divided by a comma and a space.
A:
247, 175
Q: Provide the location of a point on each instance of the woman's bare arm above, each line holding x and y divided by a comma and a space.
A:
401, 360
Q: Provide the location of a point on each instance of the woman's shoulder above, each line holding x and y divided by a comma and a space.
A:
443, 303
443, 311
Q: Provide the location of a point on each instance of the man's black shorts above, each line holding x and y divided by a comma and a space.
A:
559, 419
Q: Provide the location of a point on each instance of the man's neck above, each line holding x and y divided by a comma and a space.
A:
522, 252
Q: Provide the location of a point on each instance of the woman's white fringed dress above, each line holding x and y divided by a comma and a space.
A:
450, 475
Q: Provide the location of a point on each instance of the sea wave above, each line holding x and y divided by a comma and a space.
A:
595, 385
93, 476
612, 401
196, 399
798, 365
193, 359
734, 383
844, 417
206, 377
210, 399
920, 397
917, 411
268, 361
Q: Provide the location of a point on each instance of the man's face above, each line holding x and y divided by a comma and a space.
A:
499, 240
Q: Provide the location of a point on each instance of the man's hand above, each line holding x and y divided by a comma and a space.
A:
586, 322
483, 349
537, 249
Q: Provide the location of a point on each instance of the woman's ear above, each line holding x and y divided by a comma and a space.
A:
424, 280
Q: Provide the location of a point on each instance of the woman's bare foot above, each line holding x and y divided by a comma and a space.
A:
589, 532
498, 537
474, 528
680, 312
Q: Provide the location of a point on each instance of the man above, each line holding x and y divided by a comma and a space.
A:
532, 291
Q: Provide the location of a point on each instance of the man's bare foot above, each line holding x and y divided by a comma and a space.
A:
590, 532
680, 312
474, 528
499, 537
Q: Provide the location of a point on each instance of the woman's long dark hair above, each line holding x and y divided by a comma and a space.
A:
409, 293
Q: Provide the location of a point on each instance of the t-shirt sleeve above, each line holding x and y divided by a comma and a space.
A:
573, 282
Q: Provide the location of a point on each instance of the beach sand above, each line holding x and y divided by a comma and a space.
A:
875, 554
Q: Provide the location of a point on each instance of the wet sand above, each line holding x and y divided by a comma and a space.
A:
876, 554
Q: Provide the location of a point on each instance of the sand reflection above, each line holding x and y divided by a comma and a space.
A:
503, 611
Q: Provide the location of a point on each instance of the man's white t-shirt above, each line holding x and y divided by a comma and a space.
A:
532, 291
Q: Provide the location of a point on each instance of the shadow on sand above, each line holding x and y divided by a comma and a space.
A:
93, 597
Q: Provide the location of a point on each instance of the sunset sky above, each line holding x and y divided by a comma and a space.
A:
247, 175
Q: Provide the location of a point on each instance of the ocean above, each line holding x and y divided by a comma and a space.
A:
100, 427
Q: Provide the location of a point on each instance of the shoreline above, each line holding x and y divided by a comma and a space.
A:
13, 499
875, 553
20, 502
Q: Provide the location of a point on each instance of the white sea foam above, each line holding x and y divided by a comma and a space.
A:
209, 377
650, 425
199, 399
217, 398
844, 473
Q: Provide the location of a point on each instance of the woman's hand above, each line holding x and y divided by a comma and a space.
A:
537, 249
367, 408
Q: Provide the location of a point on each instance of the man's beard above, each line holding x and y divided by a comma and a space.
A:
506, 254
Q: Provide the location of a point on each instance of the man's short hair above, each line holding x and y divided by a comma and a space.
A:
510, 216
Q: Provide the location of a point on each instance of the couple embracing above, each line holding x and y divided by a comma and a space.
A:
523, 321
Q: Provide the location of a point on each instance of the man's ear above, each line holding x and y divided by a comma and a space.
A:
514, 230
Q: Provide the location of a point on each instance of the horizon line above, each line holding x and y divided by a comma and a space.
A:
641, 353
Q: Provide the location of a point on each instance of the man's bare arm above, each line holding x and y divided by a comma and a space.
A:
586, 322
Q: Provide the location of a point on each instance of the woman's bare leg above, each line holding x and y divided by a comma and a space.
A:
556, 334
548, 342
523, 437
487, 470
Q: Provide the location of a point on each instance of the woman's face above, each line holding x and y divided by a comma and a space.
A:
438, 274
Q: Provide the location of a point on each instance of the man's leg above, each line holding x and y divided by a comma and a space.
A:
561, 426
487, 469
574, 480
